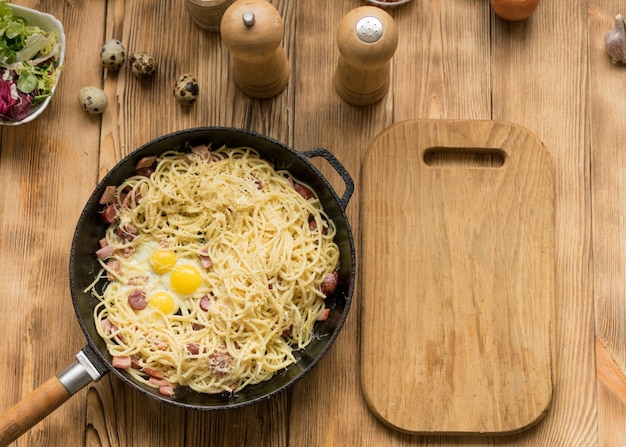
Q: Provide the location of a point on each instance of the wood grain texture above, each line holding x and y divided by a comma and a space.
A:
560, 124
323, 119
31, 409
607, 165
454, 59
457, 277
38, 212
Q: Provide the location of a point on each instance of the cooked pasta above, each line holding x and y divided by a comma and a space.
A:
217, 268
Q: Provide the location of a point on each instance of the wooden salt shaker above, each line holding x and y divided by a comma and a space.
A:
253, 31
367, 39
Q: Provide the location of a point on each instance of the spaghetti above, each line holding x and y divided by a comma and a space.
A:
262, 247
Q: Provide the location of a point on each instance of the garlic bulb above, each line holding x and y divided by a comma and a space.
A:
615, 41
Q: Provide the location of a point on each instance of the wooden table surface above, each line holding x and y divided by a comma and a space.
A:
455, 59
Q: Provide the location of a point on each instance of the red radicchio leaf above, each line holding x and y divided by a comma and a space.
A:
12, 109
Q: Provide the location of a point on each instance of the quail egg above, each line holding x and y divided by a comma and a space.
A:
92, 99
142, 65
186, 90
112, 55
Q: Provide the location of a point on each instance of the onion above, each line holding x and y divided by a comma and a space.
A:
514, 10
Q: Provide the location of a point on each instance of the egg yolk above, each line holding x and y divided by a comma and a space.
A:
162, 301
162, 261
185, 279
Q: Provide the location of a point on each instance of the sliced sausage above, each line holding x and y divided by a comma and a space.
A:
105, 252
121, 361
145, 172
220, 363
303, 191
168, 390
205, 303
109, 214
146, 162
137, 300
329, 285
323, 315
108, 195
193, 348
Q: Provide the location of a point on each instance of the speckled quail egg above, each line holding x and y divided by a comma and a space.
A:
92, 99
186, 90
142, 65
112, 55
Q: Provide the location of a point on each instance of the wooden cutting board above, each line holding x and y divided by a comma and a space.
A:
457, 277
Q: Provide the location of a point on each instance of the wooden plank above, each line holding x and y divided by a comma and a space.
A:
533, 60
40, 202
442, 68
423, 65
606, 118
454, 60
140, 110
323, 119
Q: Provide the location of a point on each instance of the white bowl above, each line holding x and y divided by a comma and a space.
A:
46, 22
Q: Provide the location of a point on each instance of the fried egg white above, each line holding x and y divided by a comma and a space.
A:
167, 278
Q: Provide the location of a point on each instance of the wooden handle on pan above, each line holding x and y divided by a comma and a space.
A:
42, 401
32, 409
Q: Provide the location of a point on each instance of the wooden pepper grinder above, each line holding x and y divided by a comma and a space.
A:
207, 13
253, 31
367, 40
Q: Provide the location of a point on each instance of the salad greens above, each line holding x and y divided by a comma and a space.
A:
28, 64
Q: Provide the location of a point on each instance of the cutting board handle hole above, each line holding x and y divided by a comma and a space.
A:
437, 157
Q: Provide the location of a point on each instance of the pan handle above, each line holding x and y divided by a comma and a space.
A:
42, 401
341, 170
